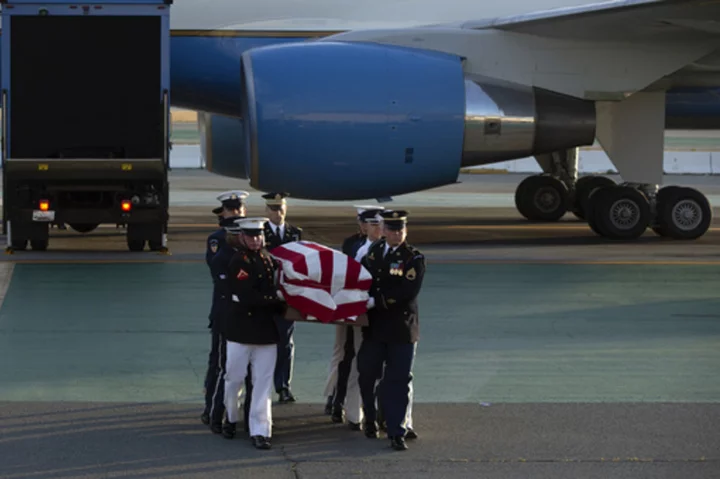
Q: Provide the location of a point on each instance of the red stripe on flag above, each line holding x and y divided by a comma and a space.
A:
326, 262
297, 259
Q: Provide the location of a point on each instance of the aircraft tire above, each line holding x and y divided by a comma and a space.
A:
583, 188
541, 198
682, 213
621, 212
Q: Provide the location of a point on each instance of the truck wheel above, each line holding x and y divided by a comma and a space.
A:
135, 244
19, 244
83, 227
39, 244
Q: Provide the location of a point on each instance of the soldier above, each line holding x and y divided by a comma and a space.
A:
231, 207
350, 337
391, 336
219, 265
343, 348
250, 332
278, 232
233, 204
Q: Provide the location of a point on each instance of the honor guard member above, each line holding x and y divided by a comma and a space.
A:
219, 267
392, 333
347, 401
278, 232
251, 333
232, 206
341, 352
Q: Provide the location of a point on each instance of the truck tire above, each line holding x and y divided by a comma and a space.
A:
19, 244
135, 245
39, 244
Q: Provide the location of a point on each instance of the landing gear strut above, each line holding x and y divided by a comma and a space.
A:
631, 132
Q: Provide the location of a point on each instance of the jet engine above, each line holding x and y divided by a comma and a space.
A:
222, 145
342, 121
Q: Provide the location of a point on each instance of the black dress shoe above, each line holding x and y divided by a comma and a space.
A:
371, 430
329, 406
338, 415
205, 418
228, 430
285, 396
410, 434
216, 427
398, 443
261, 442
354, 426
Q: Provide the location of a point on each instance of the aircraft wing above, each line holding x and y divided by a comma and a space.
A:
620, 20
600, 51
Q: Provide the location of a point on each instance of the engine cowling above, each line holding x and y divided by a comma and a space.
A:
222, 145
342, 121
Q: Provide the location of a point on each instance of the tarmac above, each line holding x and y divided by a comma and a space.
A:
545, 351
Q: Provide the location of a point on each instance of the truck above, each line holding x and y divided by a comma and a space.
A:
85, 119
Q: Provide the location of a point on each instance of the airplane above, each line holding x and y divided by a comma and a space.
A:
340, 100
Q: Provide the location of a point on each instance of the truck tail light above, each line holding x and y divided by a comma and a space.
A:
126, 205
44, 205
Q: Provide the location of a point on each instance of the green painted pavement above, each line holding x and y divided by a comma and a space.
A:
510, 333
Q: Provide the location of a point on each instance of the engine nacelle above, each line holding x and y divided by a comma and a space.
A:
222, 145
342, 121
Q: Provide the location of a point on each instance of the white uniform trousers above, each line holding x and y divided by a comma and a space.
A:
337, 355
262, 358
353, 400
408, 414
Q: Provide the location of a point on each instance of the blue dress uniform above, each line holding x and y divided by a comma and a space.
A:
392, 332
231, 201
274, 237
340, 372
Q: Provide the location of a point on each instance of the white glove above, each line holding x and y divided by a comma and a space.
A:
280, 295
371, 303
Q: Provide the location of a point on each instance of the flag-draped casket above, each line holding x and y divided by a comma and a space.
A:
322, 284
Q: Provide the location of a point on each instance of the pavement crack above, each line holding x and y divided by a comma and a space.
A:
293, 463
192, 368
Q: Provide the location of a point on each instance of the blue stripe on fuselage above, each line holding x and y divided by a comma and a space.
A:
205, 74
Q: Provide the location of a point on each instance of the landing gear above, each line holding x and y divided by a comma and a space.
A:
682, 213
541, 198
631, 132
547, 198
626, 211
618, 212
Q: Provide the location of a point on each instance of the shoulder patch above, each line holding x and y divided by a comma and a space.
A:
242, 274
213, 244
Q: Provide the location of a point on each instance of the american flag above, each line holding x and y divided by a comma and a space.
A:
321, 283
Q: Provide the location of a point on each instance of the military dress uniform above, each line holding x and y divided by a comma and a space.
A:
230, 201
343, 350
276, 235
393, 330
347, 401
251, 336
